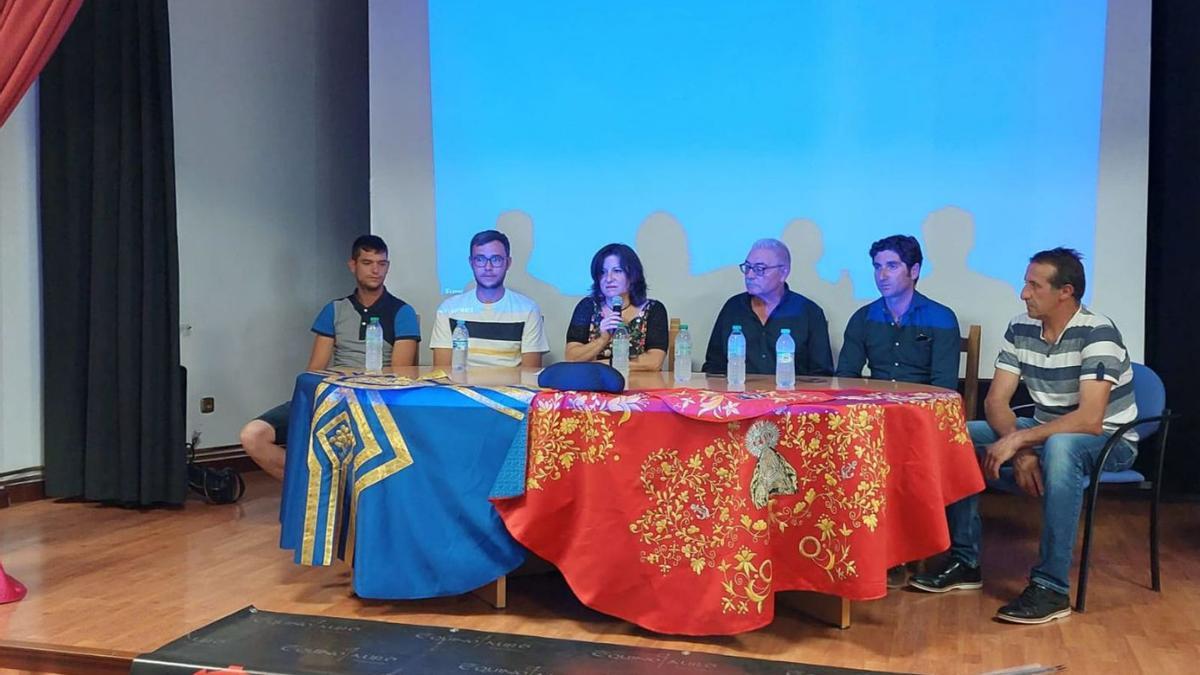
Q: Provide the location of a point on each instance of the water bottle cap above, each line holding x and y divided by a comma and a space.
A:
683, 326
737, 327
786, 331
374, 319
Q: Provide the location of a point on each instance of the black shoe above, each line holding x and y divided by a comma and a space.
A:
897, 577
954, 575
1037, 604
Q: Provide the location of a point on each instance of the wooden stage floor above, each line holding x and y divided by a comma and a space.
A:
106, 584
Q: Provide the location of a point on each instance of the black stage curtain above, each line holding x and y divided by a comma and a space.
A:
1173, 235
114, 428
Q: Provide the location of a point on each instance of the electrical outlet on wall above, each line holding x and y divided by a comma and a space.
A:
207, 404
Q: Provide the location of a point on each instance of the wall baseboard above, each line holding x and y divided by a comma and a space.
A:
29, 485
16, 493
21, 485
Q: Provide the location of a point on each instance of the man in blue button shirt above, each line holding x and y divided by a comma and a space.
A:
903, 336
767, 307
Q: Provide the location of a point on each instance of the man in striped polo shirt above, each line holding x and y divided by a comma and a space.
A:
1077, 370
504, 327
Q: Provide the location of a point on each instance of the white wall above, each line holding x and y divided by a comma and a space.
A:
272, 185
1119, 284
401, 139
271, 178
20, 292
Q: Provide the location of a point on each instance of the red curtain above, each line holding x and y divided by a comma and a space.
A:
29, 32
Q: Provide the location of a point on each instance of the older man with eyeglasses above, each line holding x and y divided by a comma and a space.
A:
767, 307
505, 327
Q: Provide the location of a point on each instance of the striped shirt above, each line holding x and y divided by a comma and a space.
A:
500, 332
1090, 348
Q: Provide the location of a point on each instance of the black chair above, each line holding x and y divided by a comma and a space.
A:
1154, 418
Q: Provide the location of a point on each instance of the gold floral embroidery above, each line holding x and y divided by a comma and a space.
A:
850, 453
948, 412
692, 518
700, 513
699, 518
749, 583
569, 427
947, 408
829, 553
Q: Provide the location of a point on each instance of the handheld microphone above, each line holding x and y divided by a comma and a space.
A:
615, 304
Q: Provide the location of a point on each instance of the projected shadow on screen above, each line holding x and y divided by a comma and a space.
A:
948, 238
663, 244
807, 246
556, 305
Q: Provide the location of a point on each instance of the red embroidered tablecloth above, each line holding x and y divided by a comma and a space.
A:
685, 510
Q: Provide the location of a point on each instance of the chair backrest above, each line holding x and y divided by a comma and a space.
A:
669, 362
1151, 397
971, 345
416, 360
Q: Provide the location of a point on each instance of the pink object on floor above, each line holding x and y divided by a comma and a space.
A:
11, 590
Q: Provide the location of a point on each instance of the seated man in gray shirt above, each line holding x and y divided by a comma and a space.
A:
1077, 370
340, 342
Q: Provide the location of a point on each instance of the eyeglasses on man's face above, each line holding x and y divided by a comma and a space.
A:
485, 260
759, 269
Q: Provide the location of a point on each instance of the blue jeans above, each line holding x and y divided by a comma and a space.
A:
1067, 461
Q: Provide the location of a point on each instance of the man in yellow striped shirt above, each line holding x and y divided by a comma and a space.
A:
505, 327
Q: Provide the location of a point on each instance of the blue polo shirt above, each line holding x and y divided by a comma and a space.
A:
345, 320
807, 322
922, 347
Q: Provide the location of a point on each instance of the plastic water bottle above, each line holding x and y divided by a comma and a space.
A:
458, 343
374, 346
785, 360
620, 350
683, 354
736, 355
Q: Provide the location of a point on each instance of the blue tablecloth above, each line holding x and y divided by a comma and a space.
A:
393, 475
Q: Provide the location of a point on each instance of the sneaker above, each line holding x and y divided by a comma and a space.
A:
1037, 604
897, 577
954, 575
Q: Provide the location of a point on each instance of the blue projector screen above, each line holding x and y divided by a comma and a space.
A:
987, 129
733, 120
